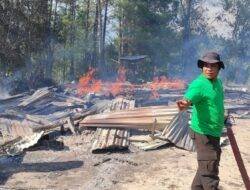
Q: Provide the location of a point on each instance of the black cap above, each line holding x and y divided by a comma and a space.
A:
210, 57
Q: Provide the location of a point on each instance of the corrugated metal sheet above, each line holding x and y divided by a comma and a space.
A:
111, 138
14, 129
178, 131
21, 114
11, 128
142, 118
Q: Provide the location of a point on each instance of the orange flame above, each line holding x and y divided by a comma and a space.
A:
163, 83
88, 83
116, 87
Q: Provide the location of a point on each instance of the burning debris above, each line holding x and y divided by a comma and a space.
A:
26, 117
89, 83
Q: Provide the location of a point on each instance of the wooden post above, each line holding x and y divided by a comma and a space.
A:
238, 158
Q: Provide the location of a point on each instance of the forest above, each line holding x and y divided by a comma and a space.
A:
57, 41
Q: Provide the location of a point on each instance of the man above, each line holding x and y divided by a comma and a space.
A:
205, 95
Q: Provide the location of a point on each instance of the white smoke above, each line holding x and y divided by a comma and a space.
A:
4, 93
4, 86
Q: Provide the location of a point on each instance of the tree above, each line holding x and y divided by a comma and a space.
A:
186, 8
72, 38
145, 28
237, 48
102, 42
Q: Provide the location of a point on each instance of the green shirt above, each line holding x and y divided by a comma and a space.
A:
207, 99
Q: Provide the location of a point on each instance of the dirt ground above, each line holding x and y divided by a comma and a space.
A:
74, 167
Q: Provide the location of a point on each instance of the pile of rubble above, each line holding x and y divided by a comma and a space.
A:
117, 122
25, 118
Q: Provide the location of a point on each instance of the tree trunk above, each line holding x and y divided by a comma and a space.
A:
72, 39
48, 46
95, 36
120, 35
55, 21
186, 8
87, 20
100, 28
100, 31
86, 54
102, 44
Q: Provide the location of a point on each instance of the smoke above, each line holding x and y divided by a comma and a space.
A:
12, 83
4, 93
185, 67
237, 66
4, 86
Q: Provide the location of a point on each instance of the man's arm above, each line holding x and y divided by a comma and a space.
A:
183, 104
193, 95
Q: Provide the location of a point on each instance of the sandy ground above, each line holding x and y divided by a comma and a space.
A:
75, 167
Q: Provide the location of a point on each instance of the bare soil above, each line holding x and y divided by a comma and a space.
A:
75, 167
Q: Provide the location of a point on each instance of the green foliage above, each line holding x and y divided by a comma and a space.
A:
147, 29
50, 38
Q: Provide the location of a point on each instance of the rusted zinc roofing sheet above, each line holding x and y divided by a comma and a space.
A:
142, 118
112, 138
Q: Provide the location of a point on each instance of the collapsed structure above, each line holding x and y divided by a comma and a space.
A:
26, 117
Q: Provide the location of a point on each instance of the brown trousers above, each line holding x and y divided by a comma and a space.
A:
208, 157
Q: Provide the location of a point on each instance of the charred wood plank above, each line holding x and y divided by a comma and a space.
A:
12, 98
38, 95
70, 98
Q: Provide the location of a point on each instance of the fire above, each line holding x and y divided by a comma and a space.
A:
116, 87
88, 83
163, 82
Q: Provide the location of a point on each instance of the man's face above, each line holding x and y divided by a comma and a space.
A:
211, 70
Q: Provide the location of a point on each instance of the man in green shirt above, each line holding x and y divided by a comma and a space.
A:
205, 95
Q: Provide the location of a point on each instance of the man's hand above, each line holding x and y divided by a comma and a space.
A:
183, 104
